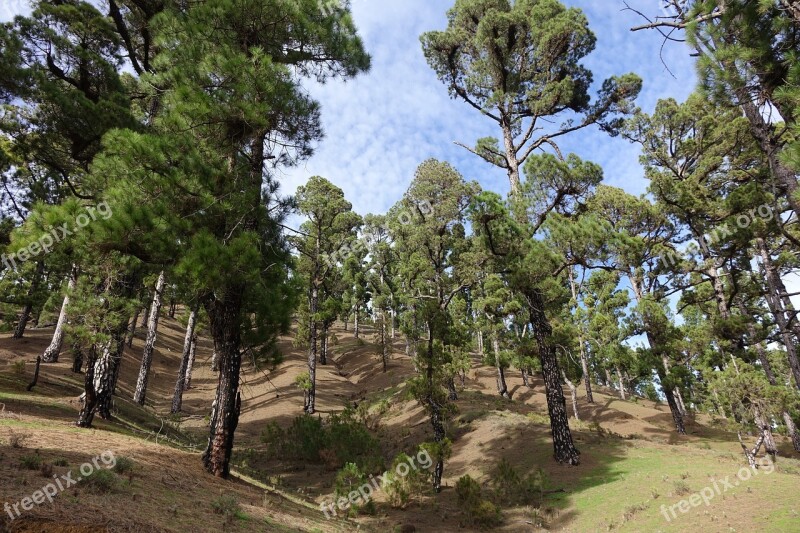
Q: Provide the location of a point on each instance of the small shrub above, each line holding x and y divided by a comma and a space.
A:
124, 465
630, 511
31, 462
477, 510
509, 486
401, 489
228, 507
101, 481
18, 367
349, 479
682, 488
60, 462
17, 440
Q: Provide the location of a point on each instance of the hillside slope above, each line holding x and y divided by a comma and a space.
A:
632, 462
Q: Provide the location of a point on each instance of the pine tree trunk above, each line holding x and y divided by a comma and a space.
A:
86, 414
192, 357
25, 316
152, 331
180, 385
215, 358
452, 393
621, 383
609, 381
778, 306
763, 426
323, 352
526, 379
355, 325
502, 388
384, 343
145, 316
311, 396
106, 371
435, 411
77, 358
53, 351
225, 324
564, 449
132, 328
587, 382
573, 390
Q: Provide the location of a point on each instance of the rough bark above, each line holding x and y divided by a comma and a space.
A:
35, 374
356, 324
86, 414
77, 358
311, 393
152, 332
53, 351
564, 449
323, 352
435, 411
225, 328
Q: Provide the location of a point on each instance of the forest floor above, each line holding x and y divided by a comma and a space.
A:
634, 468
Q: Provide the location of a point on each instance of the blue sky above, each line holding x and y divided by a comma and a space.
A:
382, 125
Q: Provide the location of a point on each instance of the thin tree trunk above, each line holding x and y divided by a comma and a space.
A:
311, 396
502, 388
25, 316
53, 351
192, 358
323, 352
384, 343
621, 383
574, 393
180, 385
356, 324
77, 357
152, 331
35, 374
435, 411
132, 328
215, 358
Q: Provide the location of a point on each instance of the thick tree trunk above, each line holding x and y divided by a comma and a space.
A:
564, 449
225, 328
152, 331
86, 414
25, 316
502, 388
53, 351
180, 385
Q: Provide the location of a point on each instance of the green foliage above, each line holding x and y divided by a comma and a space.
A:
348, 480
31, 462
228, 506
124, 465
511, 487
18, 367
476, 510
401, 489
339, 440
101, 481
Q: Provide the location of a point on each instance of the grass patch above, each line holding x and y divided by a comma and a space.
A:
101, 481
31, 462
229, 508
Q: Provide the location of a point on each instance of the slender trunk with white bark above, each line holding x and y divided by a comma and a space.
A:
152, 331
